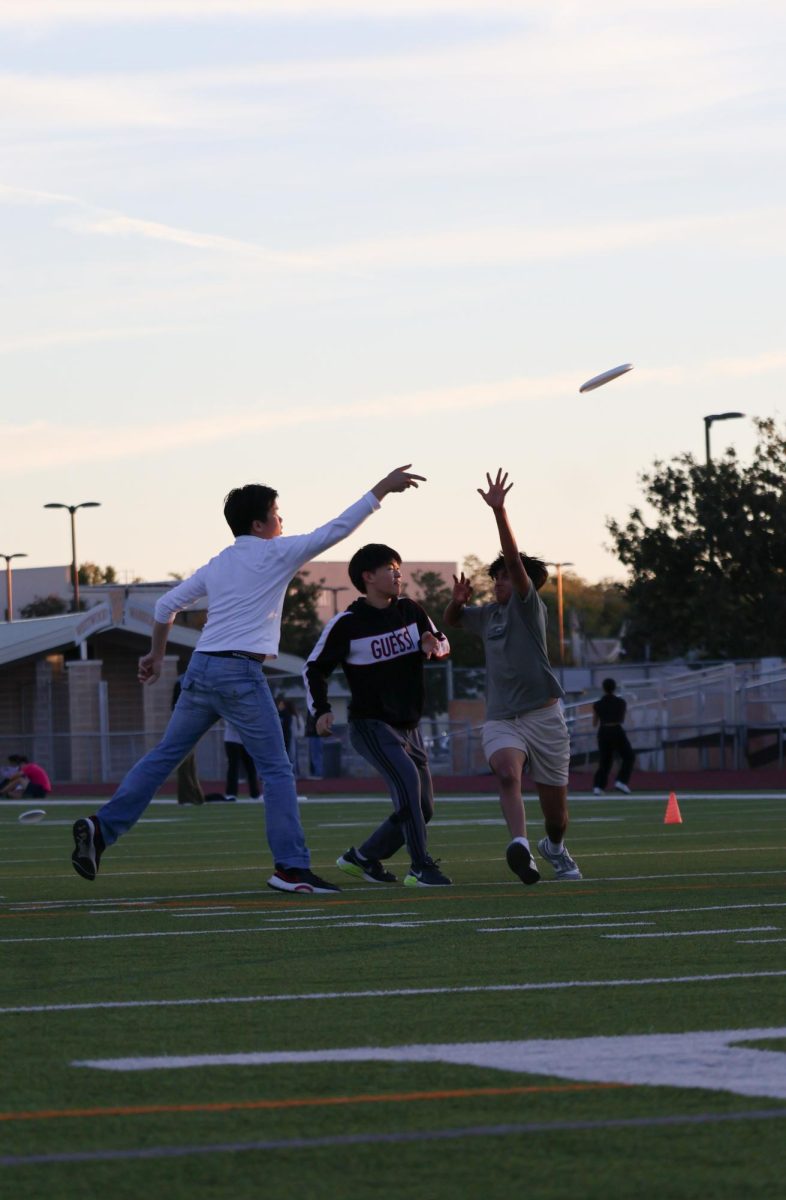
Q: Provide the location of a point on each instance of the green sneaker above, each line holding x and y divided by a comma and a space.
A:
364, 868
429, 875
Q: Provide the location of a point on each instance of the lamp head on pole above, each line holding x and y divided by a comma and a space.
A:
709, 419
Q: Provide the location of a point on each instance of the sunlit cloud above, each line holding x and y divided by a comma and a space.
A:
78, 337
31, 12
44, 444
460, 247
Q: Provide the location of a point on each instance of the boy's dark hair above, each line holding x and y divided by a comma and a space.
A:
244, 505
369, 558
17, 759
535, 568
609, 685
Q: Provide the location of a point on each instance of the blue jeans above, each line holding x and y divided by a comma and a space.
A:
236, 689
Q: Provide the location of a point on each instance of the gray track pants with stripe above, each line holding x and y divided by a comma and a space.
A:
400, 757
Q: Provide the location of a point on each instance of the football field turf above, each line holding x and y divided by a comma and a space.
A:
176, 1029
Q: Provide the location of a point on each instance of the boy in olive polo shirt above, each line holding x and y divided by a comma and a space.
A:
524, 722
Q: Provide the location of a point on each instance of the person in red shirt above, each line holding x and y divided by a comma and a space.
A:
29, 781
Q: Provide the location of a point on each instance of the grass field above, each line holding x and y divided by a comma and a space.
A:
388, 1041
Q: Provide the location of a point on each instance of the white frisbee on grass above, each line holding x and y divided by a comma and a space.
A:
606, 377
32, 816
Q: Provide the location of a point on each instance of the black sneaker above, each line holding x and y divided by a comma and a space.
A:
88, 847
428, 875
522, 863
299, 879
371, 869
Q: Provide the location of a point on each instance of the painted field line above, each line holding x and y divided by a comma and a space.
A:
760, 941
377, 921
392, 993
692, 933
142, 1110
422, 1135
46, 906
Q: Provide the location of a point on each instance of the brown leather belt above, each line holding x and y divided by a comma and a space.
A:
235, 654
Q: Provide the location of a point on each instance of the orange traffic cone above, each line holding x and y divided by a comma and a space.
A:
673, 814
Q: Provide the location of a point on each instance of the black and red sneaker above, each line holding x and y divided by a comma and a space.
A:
299, 879
88, 847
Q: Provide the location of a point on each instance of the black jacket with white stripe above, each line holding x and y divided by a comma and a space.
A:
379, 651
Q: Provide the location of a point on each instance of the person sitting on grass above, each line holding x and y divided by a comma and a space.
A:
25, 779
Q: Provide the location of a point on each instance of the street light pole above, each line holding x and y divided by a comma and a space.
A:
71, 508
560, 613
9, 586
727, 416
335, 591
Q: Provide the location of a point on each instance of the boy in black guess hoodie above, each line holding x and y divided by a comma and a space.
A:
382, 642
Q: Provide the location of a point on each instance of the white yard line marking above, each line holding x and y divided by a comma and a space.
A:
392, 993
715, 1061
693, 933
278, 922
759, 941
551, 928
22, 906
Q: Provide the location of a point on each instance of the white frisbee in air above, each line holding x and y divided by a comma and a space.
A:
607, 376
32, 816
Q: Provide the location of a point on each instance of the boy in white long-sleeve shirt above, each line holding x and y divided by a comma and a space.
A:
245, 586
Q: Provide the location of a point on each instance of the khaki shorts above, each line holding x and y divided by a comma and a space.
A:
541, 735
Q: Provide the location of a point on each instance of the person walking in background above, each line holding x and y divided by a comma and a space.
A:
245, 586
524, 724
382, 642
238, 756
189, 789
608, 716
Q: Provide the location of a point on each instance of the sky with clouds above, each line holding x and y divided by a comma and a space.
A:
304, 241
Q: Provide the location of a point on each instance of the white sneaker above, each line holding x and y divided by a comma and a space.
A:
622, 787
564, 866
598, 792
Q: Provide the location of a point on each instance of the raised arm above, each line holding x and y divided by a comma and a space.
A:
462, 594
397, 481
495, 498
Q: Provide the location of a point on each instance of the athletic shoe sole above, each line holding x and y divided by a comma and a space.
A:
284, 885
350, 868
522, 863
84, 856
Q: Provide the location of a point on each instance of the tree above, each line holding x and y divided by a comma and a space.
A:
478, 572
602, 609
90, 575
300, 625
44, 606
708, 573
434, 594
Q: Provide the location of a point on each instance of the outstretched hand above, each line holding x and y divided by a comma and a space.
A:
397, 481
498, 490
462, 589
